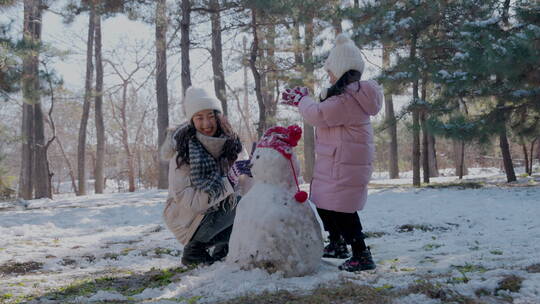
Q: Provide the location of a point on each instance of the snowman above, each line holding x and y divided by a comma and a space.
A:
274, 229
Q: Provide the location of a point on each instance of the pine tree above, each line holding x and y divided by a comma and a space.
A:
410, 27
494, 67
10, 65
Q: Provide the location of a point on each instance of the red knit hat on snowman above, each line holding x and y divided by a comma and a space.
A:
284, 140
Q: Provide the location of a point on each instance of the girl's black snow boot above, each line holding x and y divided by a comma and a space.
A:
337, 249
359, 262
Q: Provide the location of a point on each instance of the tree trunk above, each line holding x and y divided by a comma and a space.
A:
432, 152
533, 143
27, 153
42, 182
125, 139
256, 75
425, 147
271, 74
297, 46
34, 152
416, 122
538, 150
525, 156
507, 157
100, 125
247, 111
459, 158
217, 55
184, 47
390, 119
459, 149
416, 148
425, 135
30, 82
309, 131
81, 149
161, 88
336, 18
70, 168
506, 12
139, 168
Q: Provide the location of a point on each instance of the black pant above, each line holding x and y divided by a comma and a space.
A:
341, 224
216, 226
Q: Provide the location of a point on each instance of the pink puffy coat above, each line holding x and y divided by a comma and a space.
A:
344, 145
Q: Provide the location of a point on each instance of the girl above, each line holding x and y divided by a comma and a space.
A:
344, 150
200, 208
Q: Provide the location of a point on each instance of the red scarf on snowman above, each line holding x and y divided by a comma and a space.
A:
284, 140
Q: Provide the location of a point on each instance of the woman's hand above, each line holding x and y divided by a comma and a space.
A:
293, 96
238, 168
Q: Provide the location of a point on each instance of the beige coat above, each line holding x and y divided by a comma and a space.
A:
186, 206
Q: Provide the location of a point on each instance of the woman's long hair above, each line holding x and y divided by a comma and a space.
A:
339, 87
231, 148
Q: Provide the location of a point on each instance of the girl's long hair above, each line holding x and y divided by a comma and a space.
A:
231, 148
338, 88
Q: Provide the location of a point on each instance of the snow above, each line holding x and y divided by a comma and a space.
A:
445, 176
104, 296
400, 75
500, 49
484, 234
484, 23
521, 93
455, 75
406, 22
534, 28
460, 55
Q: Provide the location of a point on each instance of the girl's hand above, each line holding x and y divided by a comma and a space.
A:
293, 96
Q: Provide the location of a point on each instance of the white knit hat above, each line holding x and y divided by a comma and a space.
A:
198, 99
344, 56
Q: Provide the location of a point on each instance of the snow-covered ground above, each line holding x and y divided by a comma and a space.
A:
492, 175
465, 240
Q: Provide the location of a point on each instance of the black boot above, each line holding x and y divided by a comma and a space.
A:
196, 253
360, 261
220, 252
337, 249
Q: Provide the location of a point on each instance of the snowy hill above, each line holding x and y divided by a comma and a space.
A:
115, 247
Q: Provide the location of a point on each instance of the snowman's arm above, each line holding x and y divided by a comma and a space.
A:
199, 201
322, 114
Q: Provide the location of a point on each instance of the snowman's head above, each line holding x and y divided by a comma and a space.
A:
271, 167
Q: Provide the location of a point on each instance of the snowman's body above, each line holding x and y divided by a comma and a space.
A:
271, 229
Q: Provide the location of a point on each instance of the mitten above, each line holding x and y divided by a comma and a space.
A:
243, 166
238, 168
293, 96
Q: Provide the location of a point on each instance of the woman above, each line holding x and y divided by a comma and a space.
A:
203, 172
344, 150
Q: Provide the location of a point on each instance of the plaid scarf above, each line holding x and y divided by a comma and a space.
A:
205, 172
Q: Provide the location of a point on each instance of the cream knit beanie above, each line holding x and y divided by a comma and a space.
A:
344, 56
198, 99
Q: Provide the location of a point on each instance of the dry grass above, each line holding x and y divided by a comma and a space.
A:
349, 293
456, 185
534, 268
19, 268
510, 283
438, 292
345, 293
